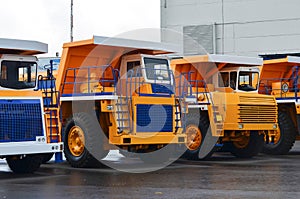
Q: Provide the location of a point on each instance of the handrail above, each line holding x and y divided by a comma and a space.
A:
89, 70
188, 84
51, 102
186, 90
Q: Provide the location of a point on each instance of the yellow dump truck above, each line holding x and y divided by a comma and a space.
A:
117, 92
29, 114
280, 78
227, 108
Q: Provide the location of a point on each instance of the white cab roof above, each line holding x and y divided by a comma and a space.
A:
218, 58
22, 47
293, 59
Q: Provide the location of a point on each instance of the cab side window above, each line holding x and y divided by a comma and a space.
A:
233, 76
223, 79
134, 69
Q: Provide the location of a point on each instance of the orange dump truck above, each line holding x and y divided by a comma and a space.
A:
117, 92
228, 109
280, 78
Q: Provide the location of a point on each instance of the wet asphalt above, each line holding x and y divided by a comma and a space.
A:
224, 176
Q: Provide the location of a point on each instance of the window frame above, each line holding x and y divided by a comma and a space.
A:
12, 81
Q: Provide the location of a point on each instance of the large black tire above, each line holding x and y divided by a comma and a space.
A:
287, 136
254, 146
92, 152
203, 125
24, 164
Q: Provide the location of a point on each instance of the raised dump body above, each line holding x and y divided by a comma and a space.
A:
29, 118
117, 92
228, 109
279, 78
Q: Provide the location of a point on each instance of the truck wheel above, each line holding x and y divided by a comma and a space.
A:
282, 144
249, 146
46, 157
83, 141
196, 131
24, 164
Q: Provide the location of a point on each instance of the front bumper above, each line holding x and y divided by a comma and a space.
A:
31, 147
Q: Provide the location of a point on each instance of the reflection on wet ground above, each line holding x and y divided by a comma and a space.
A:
224, 176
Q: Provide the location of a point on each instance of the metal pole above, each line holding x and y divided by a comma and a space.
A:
223, 28
71, 30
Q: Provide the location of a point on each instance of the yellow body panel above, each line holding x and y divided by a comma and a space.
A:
14, 93
153, 100
105, 106
298, 109
253, 111
148, 138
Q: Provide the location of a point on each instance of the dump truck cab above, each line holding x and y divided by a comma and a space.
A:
148, 72
228, 105
240, 79
29, 126
280, 78
117, 92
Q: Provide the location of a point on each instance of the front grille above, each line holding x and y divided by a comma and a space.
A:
257, 109
257, 113
20, 120
260, 99
154, 118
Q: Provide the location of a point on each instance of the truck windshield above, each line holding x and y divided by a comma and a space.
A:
157, 69
248, 81
18, 75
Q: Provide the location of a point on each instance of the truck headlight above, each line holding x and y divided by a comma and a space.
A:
109, 107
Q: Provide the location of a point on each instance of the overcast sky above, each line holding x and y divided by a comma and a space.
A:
48, 21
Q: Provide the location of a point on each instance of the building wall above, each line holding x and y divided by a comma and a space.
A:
251, 27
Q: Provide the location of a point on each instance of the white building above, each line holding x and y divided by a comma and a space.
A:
239, 27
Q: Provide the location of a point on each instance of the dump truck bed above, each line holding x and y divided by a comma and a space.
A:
204, 66
22, 47
147, 47
101, 51
279, 68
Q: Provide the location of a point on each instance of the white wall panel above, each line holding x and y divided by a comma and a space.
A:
267, 28
251, 26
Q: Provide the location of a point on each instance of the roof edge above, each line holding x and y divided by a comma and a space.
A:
160, 47
18, 46
218, 58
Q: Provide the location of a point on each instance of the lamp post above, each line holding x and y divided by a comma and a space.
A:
223, 28
71, 20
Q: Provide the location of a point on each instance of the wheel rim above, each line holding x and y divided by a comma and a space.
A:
274, 139
243, 143
194, 137
76, 141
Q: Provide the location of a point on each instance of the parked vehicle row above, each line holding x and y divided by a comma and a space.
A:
110, 93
